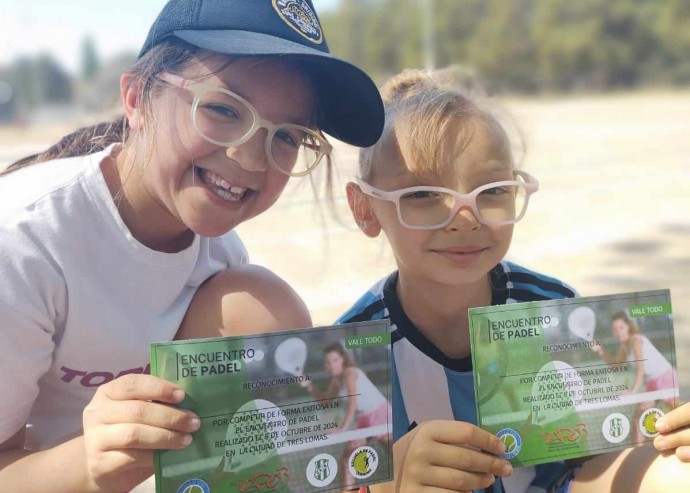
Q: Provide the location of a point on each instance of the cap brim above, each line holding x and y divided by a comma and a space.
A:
351, 109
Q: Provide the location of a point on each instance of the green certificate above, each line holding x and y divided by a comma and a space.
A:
560, 379
293, 411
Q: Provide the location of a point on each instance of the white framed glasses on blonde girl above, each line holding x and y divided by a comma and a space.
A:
427, 207
225, 118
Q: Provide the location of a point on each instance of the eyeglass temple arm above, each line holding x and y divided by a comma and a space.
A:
175, 80
368, 189
531, 183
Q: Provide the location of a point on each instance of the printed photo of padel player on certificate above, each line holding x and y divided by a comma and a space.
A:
560, 379
294, 411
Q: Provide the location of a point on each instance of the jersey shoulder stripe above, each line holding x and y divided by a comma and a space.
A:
369, 307
528, 285
372, 311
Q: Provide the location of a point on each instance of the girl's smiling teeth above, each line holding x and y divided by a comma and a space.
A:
218, 185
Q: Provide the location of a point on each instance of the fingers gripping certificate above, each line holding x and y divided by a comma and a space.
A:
568, 378
294, 411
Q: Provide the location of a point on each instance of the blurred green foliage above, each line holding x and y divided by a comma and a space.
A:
37, 80
518, 46
90, 64
525, 46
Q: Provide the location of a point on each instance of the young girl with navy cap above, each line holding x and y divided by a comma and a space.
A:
122, 234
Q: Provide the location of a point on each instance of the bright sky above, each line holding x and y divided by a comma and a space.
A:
59, 26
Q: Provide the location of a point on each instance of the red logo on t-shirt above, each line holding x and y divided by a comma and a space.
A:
96, 378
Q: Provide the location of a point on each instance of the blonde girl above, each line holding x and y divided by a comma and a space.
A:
442, 186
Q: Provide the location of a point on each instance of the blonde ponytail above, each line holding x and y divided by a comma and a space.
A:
426, 118
407, 83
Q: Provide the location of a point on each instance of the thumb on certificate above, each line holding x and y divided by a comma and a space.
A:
462, 433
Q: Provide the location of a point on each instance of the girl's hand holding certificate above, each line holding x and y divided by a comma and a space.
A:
674, 429
448, 455
125, 421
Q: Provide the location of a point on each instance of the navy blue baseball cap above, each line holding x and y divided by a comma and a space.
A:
351, 109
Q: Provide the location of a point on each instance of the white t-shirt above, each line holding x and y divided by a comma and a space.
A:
80, 298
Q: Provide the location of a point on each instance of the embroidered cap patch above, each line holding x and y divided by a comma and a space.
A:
299, 15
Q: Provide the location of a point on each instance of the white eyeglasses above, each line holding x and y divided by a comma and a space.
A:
493, 204
227, 119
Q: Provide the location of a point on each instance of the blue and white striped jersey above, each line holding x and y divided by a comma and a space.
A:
426, 384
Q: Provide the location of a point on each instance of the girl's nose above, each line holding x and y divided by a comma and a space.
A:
251, 155
464, 219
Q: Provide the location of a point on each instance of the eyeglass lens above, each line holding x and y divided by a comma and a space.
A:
495, 205
223, 118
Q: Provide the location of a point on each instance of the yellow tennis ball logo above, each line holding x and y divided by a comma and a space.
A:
363, 462
648, 421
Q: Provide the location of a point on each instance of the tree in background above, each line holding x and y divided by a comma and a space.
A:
672, 29
456, 25
7, 100
104, 95
39, 80
375, 33
500, 47
594, 44
99, 87
54, 82
90, 64
522, 45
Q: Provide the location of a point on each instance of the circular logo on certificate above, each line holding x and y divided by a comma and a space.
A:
648, 421
194, 486
513, 442
363, 462
322, 470
616, 427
